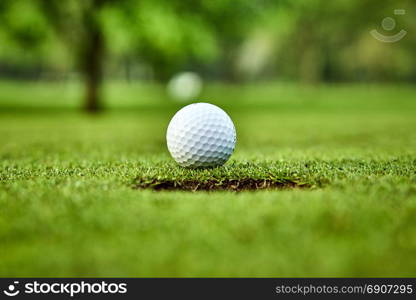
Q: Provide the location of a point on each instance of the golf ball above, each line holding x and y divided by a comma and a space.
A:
201, 135
185, 86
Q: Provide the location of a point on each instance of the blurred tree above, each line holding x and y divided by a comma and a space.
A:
169, 35
303, 40
36, 30
330, 41
26, 41
77, 23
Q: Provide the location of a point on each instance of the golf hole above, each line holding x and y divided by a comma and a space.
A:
236, 185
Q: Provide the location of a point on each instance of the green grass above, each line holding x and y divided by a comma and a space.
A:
68, 206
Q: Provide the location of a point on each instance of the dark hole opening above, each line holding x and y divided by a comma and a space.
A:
216, 185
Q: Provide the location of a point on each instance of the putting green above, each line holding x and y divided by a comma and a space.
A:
69, 205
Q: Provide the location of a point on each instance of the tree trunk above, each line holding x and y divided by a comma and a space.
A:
93, 70
88, 43
92, 59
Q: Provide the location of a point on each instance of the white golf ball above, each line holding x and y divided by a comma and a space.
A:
201, 135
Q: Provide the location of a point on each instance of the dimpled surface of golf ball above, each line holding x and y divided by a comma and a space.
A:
201, 135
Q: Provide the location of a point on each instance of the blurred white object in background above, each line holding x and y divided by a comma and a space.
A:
185, 86
256, 55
